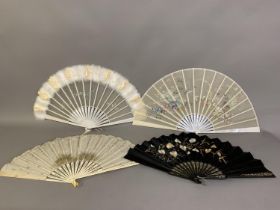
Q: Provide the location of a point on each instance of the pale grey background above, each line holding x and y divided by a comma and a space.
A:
142, 40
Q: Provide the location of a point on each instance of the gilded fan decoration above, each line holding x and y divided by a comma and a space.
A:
197, 158
71, 158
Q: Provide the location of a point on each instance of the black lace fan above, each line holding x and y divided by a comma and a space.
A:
197, 157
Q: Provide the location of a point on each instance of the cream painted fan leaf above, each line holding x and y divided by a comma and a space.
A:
88, 96
197, 100
71, 158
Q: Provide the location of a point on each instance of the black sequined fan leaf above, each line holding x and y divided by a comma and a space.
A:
197, 157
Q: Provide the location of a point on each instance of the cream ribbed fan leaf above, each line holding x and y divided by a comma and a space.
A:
71, 158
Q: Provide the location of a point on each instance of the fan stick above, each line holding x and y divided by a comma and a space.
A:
200, 95
172, 115
163, 109
104, 90
85, 101
209, 90
121, 109
182, 101
71, 103
80, 101
116, 105
94, 101
112, 119
75, 101
235, 123
234, 107
228, 89
99, 117
59, 109
107, 99
49, 117
173, 98
65, 106
188, 99
194, 103
156, 119
61, 98
176, 117
58, 114
213, 99
89, 98
153, 124
187, 96
32, 163
117, 122
108, 105
228, 103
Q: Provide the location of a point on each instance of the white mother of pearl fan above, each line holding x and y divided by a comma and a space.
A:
71, 158
88, 96
197, 100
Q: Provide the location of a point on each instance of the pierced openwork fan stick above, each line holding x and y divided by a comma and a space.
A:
197, 157
71, 158
88, 96
197, 100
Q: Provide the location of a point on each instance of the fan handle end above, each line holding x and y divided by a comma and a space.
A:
75, 183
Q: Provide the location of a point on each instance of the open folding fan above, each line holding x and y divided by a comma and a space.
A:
88, 96
197, 100
197, 157
71, 158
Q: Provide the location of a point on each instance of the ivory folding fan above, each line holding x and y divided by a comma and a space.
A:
88, 96
71, 158
197, 100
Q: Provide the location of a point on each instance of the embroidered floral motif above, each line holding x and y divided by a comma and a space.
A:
176, 148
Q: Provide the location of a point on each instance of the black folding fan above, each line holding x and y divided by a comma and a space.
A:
197, 157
